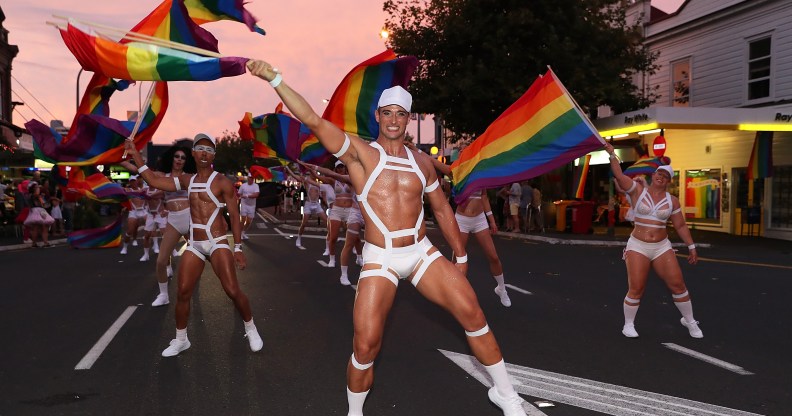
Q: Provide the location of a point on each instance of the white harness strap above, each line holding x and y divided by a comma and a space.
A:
206, 188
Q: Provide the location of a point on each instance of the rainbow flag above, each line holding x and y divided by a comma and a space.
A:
760, 165
171, 21
108, 236
354, 101
145, 62
204, 11
646, 165
282, 136
542, 130
87, 181
580, 186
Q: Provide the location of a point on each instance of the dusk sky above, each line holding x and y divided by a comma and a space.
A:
314, 43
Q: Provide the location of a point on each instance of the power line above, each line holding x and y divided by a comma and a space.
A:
34, 97
27, 106
20, 114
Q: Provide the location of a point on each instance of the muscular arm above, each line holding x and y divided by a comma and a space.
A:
443, 213
232, 205
678, 220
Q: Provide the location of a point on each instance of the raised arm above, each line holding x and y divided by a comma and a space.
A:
624, 181
164, 183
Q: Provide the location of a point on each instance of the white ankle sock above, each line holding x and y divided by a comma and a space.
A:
629, 313
344, 270
356, 401
249, 325
181, 334
686, 308
145, 251
163, 288
500, 377
499, 279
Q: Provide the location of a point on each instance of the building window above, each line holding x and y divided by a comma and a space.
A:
781, 215
680, 82
703, 196
759, 68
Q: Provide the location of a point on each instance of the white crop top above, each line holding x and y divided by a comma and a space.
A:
647, 209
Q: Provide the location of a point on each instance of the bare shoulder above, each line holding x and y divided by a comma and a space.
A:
424, 163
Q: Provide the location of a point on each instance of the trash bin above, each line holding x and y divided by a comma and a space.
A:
582, 214
561, 213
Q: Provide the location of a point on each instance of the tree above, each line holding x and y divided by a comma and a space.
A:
479, 56
233, 154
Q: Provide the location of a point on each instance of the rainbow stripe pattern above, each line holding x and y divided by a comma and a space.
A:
580, 186
203, 11
354, 101
646, 165
171, 21
282, 136
108, 236
542, 130
146, 62
760, 165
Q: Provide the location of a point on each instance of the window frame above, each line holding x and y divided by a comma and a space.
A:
672, 81
769, 78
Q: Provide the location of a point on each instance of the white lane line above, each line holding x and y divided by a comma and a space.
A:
707, 359
315, 237
99, 347
523, 291
593, 395
323, 263
261, 226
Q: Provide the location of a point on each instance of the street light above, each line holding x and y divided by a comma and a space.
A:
384, 34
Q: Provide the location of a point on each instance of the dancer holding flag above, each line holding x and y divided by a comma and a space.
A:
649, 246
391, 182
208, 192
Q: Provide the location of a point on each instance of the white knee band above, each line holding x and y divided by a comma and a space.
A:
680, 296
361, 367
631, 300
355, 232
478, 333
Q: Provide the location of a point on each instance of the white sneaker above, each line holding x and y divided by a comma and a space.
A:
134, 243
331, 263
511, 406
124, 250
326, 252
504, 297
145, 257
345, 280
176, 347
155, 248
169, 271
693, 328
629, 331
245, 236
162, 299
254, 339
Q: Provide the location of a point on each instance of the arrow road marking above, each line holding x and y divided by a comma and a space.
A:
707, 359
593, 395
99, 347
523, 291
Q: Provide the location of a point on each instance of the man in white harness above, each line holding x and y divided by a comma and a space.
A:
208, 193
391, 183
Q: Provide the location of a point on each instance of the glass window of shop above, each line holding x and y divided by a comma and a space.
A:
703, 196
781, 214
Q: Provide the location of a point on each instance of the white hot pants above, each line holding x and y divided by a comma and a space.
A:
248, 210
472, 224
648, 250
180, 220
311, 208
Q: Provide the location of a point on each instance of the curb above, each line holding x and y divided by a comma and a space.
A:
22, 246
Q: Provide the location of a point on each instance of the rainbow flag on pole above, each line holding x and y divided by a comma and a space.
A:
542, 130
580, 186
760, 165
104, 237
204, 11
282, 136
354, 101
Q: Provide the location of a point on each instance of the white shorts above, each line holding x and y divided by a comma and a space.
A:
204, 248
355, 217
648, 250
311, 208
401, 262
138, 214
247, 211
472, 224
339, 214
180, 220
155, 221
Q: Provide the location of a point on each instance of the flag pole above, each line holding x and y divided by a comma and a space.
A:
577, 106
139, 120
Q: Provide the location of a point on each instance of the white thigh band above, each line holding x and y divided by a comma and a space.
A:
631, 300
680, 296
478, 333
361, 367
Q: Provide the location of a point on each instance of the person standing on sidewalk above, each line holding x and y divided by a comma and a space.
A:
391, 182
649, 246
208, 193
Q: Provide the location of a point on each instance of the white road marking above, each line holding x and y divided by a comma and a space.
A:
261, 226
523, 291
315, 237
707, 359
600, 397
99, 347
323, 263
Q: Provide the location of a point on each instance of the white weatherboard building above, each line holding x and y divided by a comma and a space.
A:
725, 72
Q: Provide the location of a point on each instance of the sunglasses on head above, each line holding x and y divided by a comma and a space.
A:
180, 156
202, 148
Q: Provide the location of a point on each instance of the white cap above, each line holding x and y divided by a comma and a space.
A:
395, 95
203, 136
668, 169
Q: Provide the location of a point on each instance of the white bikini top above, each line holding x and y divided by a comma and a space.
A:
180, 195
207, 189
308, 187
153, 208
400, 164
342, 190
646, 209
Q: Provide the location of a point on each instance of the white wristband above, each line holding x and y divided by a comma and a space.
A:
237, 248
462, 259
142, 169
692, 247
488, 213
276, 81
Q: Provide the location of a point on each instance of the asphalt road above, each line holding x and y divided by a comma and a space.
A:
561, 337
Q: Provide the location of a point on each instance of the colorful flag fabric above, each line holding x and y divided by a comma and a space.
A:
282, 136
203, 11
171, 21
261, 172
108, 236
646, 165
580, 185
542, 130
760, 165
146, 62
354, 101
87, 181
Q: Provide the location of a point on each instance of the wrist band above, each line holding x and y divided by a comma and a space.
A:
462, 259
692, 247
488, 213
276, 81
612, 156
238, 248
142, 169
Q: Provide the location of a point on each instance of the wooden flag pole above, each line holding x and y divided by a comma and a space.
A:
140, 116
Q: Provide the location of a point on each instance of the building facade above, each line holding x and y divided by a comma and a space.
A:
725, 73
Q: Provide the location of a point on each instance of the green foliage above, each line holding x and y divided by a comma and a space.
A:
233, 154
478, 56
